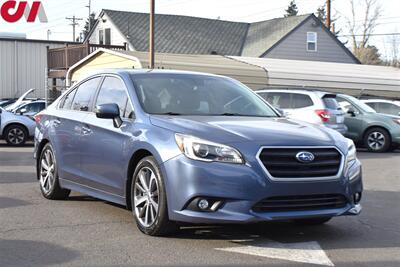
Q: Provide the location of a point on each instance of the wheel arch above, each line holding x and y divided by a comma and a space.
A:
134, 160
38, 152
376, 126
15, 123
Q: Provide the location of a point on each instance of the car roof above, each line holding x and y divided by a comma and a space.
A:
294, 90
147, 71
380, 100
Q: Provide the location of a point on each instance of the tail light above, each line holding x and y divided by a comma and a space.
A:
38, 118
323, 114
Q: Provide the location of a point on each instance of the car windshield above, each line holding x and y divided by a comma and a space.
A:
183, 94
364, 107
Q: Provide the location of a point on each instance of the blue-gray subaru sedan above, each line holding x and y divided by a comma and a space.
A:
190, 147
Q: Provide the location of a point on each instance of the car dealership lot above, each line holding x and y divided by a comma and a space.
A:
90, 232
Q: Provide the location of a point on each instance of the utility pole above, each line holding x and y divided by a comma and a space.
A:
89, 6
151, 37
48, 34
73, 24
328, 14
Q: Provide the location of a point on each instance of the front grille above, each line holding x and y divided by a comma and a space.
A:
301, 203
282, 162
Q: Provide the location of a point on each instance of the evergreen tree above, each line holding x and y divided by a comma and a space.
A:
321, 13
292, 9
92, 21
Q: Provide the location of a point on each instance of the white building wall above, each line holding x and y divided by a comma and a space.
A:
116, 36
22, 66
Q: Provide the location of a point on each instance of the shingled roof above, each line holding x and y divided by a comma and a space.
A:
181, 34
193, 35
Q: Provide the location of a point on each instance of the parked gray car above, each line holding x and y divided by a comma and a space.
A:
18, 126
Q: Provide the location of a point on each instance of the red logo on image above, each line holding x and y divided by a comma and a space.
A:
12, 11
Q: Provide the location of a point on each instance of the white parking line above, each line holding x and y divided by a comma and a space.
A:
304, 252
18, 169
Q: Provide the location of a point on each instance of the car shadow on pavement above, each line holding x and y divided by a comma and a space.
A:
33, 253
373, 228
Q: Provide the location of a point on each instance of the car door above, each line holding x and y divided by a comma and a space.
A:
106, 155
354, 119
66, 125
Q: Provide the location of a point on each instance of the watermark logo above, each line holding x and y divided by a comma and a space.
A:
12, 11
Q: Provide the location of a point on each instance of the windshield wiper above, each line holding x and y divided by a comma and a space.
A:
244, 115
230, 114
169, 113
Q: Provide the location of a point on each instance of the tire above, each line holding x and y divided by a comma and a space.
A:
312, 221
15, 135
377, 140
48, 179
149, 199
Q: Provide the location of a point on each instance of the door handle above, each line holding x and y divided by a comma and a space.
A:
86, 130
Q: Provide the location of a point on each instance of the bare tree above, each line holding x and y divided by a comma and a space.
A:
371, 11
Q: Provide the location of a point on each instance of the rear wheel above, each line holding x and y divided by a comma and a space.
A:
377, 140
312, 221
48, 175
15, 135
149, 200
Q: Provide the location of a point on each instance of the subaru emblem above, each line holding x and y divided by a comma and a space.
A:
305, 157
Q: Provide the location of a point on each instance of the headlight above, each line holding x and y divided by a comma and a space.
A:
351, 160
198, 149
352, 153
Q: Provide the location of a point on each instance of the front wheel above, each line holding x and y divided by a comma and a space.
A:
377, 140
149, 200
48, 175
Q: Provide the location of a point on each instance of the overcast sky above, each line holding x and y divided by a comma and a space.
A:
235, 10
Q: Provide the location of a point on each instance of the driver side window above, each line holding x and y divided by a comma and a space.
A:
346, 106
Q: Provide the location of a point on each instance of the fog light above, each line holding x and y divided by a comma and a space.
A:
203, 204
357, 198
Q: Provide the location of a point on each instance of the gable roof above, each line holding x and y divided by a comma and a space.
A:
194, 35
264, 34
181, 34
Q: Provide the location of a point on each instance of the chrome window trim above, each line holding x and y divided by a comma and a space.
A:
294, 179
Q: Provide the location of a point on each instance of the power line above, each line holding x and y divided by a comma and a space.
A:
373, 34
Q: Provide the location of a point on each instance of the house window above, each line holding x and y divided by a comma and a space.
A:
107, 36
101, 37
311, 41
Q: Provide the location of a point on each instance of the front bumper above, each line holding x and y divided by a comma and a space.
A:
240, 187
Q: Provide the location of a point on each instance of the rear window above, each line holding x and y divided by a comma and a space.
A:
330, 103
279, 100
301, 101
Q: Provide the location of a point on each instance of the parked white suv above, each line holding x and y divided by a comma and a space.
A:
384, 106
306, 105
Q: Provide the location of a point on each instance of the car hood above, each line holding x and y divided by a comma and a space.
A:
265, 131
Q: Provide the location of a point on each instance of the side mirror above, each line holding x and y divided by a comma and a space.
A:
281, 112
109, 111
351, 112
22, 111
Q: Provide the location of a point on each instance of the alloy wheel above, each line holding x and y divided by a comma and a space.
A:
146, 197
16, 136
376, 140
47, 171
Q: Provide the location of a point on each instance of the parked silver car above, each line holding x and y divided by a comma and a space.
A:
17, 126
307, 105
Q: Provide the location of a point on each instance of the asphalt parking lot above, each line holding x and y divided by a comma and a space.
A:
84, 231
